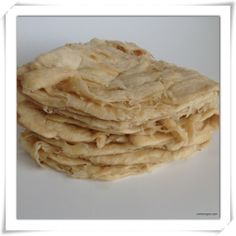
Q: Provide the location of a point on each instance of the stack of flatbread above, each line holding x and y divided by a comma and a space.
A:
107, 109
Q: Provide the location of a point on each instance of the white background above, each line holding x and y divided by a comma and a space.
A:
177, 191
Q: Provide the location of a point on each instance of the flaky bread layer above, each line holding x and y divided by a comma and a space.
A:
80, 168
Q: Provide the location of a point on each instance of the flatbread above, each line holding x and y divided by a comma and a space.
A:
115, 84
81, 141
85, 169
139, 113
115, 127
162, 141
35, 120
108, 109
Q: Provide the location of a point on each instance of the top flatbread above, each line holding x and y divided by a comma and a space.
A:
115, 81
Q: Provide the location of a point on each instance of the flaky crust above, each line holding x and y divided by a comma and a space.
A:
44, 155
109, 81
107, 109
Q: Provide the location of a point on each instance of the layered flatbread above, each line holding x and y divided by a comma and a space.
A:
108, 109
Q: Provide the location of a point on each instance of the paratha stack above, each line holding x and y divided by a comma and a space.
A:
107, 109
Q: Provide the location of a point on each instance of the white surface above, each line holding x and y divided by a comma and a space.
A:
177, 191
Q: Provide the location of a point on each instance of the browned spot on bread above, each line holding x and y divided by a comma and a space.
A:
93, 57
64, 85
138, 52
121, 48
